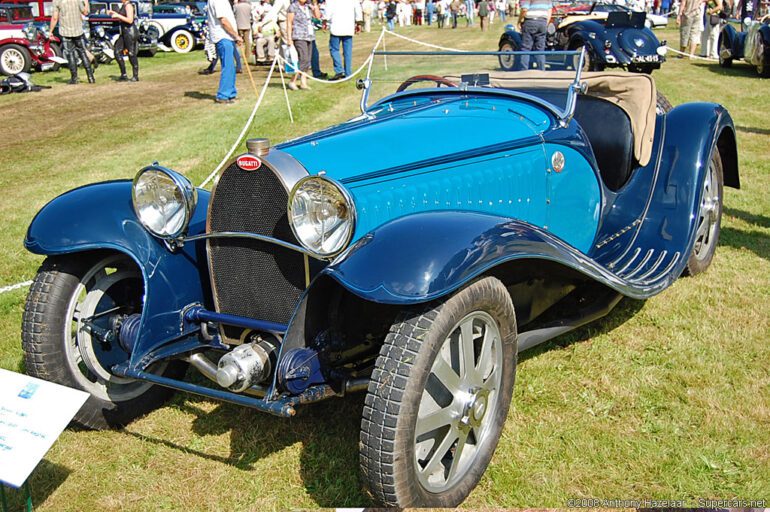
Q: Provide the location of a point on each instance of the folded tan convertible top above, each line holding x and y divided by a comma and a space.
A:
633, 92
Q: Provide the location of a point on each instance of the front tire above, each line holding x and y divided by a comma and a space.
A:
709, 219
68, 293
182, 41
14, 59
439, 397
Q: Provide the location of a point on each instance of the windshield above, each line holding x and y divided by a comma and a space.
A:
17, 14
444, 73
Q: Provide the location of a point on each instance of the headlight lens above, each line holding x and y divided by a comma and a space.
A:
164, 201
322, 215
30, 31
99, 31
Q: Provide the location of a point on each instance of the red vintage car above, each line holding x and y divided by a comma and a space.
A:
24, 43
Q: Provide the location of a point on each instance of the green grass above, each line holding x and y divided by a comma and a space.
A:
666, 399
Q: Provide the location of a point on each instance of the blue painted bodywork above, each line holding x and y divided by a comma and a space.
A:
438, 205
732, 45
101, 216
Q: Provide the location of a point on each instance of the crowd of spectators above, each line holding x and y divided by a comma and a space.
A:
270, 26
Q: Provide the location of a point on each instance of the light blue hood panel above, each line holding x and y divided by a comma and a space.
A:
417, 130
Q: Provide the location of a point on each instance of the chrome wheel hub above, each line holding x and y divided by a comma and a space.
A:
459, 402
708, 214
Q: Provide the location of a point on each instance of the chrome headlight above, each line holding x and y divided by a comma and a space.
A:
99, 31
30, 32
164, 201
322, 215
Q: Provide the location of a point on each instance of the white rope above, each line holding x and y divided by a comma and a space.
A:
16, 286
283, 61
691, 56
437, 47
286, 94
245, 127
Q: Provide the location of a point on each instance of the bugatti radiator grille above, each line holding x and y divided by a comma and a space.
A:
249, 277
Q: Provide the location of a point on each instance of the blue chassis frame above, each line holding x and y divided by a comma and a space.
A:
177, 295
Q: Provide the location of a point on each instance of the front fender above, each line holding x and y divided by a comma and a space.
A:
101, 217
512, 36
733, 41
424, 256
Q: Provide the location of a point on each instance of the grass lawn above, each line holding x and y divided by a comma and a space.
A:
663, 399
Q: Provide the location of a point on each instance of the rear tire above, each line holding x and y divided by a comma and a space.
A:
439, 397
508, 63
57, 348
709, 220
182, 41
763, 66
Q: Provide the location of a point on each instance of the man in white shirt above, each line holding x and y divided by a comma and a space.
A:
342, 16
223, 33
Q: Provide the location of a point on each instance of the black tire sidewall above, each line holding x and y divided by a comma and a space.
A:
451, 312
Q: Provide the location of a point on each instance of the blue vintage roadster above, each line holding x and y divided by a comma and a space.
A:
410, 253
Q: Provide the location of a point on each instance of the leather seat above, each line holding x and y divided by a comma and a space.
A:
608, 128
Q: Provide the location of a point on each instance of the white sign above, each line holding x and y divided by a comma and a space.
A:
33, 413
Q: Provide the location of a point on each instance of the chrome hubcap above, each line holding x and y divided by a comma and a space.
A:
708, 215
459, 402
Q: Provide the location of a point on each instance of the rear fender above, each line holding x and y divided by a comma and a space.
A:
101, 217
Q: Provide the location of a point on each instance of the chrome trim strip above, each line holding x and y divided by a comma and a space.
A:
285, 167
628, 276
254, 236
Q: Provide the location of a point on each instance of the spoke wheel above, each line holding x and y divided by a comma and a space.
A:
438, 398
182, 41
709, 218
14, 59
507, 62
69, 294
459, 402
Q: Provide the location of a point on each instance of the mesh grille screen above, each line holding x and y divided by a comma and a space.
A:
252, 278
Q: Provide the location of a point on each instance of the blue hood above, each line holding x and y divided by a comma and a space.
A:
416, 129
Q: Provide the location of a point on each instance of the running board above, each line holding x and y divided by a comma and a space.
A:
597, 309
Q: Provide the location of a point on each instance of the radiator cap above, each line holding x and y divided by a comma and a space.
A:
258, 146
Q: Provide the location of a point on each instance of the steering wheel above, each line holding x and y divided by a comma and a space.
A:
425, 78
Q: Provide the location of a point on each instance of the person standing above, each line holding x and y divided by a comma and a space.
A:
299, 24
501, 6
690, 24
454, 8
713, 25
68, 14
430, 7
224, 35
243, 20
367, 9
128, 41
342, 15
483, 14
391, 11
470, 10
533, 20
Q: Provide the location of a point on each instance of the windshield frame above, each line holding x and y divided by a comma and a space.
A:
564, 115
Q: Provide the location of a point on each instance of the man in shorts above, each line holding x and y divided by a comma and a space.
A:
690, 21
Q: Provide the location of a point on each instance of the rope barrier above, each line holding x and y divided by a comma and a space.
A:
245, 127
429, 45
674, 50
16, 286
